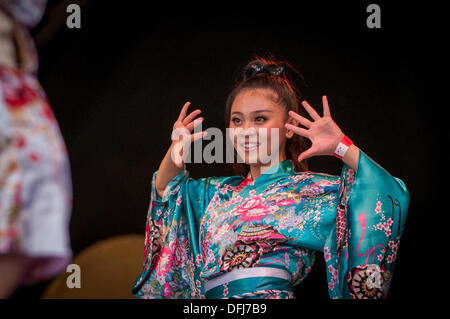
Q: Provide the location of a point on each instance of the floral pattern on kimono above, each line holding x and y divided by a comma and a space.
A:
35, 178
201, 229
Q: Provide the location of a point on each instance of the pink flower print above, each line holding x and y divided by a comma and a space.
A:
180, 256
326, 253
331, 283
227, 203
325, 182
394, 256
391, 243
20, 141
252, 209
388, 232
378, 209
33, 157
350, 176
179, 199
205, 246
332, 271
285, 202
379, 226
198, 283
225, 290
380, 257
215, 198
394, 248
47, 113
167, 290
223, 190
390, 259
335, 273
390, 221
165, 262
252, 202
18, 94
256, 213
198, 260
252, 192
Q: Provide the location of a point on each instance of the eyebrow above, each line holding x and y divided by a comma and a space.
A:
254, 112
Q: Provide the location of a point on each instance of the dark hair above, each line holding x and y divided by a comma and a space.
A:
267, 73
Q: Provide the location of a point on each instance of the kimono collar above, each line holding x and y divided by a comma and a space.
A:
284, 168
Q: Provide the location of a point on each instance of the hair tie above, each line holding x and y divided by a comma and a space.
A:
259, 67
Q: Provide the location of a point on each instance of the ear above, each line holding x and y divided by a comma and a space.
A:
289, 133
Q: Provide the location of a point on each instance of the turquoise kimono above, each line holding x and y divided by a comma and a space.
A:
234, 237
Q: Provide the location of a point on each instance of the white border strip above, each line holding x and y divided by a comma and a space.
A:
247, 273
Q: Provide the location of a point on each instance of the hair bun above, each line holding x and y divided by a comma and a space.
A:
259, 67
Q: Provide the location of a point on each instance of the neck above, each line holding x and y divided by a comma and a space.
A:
257, 169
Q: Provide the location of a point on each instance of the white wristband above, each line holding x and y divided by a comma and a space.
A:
342, 147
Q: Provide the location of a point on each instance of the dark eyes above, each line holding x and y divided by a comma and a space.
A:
259, 119
236, 121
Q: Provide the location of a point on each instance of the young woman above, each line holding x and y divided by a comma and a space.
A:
254, 235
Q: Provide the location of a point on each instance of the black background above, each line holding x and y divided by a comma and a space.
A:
117, 85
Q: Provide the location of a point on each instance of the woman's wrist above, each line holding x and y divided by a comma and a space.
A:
347, 151
167, 170
351, 157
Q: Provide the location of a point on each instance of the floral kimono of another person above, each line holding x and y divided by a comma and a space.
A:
356, 220
35, 178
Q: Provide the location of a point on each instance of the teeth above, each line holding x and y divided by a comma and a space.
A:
250, 145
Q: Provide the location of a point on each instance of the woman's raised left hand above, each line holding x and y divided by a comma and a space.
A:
323, 132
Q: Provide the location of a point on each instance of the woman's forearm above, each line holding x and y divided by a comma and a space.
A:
351, 157
166, 172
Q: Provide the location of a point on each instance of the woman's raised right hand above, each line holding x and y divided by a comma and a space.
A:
182, 136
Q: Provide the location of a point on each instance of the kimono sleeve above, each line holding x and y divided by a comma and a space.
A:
361, 249
171, 239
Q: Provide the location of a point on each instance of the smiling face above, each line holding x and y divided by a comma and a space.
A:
256, 118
